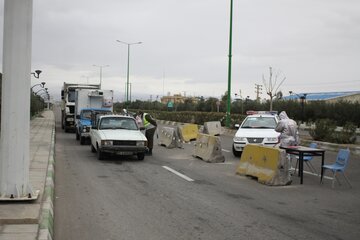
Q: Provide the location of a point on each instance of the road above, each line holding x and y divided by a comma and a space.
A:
172, 195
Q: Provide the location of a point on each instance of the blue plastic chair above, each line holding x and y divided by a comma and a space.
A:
307, 160
340, 164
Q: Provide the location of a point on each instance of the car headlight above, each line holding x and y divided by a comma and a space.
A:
84, 130
271, 139
141, 144
106, 142
239, 139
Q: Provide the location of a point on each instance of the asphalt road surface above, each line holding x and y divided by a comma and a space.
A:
172, 195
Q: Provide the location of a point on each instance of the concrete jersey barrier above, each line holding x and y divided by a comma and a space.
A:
212, 128
188, 132
168, 137
208, 148
269, 165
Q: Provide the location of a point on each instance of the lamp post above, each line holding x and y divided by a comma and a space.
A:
101, 67
42, 89
302, 103
128, 66
229, 69
36, 74
39, 84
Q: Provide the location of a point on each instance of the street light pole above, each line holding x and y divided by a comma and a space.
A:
229, 69
302, 103
128, 67
101, 67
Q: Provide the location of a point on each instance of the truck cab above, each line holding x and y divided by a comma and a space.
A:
84, 122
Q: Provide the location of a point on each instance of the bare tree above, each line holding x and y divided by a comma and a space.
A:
273, 84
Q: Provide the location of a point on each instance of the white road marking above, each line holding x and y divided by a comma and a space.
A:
179, 174
224, 150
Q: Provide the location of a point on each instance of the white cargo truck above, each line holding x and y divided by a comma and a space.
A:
86, 102
68, 103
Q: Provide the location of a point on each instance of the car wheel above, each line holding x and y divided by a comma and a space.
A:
77, 135
141, 156
100, 154
236, 153
92, 148
82, 140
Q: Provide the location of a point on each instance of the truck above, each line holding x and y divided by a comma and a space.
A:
68, 103
86, 102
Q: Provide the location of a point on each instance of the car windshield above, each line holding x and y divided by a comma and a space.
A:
86, 114
259, 122
118, 123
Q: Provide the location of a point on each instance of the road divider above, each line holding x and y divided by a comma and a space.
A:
168, 137
188, 132
212, 128
208, 148
269, 165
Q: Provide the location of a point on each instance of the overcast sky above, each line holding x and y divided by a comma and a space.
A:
185, 44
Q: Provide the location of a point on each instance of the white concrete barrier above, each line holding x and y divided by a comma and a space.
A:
208, 148
168, 137
212, 128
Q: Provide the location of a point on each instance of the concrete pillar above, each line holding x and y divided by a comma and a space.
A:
15, 112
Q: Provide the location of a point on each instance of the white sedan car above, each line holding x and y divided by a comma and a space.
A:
117, 134
258, 128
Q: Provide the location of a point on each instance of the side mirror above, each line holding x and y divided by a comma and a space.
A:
237, 126
142, 128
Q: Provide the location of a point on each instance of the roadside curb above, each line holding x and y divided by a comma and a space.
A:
46, 222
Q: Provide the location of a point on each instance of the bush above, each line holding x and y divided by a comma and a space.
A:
323, 131
346, 135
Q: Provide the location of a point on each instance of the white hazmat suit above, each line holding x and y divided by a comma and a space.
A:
289, 131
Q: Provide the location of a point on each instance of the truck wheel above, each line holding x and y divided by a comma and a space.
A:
100, 154
141, 156
77, 135
82, 140
92, 148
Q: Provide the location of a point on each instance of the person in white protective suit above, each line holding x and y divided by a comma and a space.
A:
289, 135
289, 131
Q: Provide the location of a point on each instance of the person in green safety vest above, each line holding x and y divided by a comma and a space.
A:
150, 128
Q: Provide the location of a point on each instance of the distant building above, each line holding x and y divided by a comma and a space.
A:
178, 98
329, 97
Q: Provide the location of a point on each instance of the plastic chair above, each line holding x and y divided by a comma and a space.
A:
307, 160
340, 164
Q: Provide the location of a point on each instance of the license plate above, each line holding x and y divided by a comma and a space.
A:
124, 153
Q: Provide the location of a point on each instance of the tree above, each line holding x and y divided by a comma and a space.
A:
273, 85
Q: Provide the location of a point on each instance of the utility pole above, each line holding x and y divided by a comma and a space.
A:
258, 88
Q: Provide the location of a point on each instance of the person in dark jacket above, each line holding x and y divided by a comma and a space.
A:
150, 128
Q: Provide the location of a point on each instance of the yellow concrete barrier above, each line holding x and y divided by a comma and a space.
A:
212, 128
168, 137
208, 148
269, 165
188, 132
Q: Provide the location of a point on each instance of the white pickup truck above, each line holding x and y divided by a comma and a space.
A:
117, 134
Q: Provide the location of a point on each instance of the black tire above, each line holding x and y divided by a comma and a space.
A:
140, 156
92, 148
82, 140
236, 153
99, 154
77, 135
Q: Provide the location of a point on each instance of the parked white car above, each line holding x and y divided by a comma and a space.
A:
258, 128
117, 134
